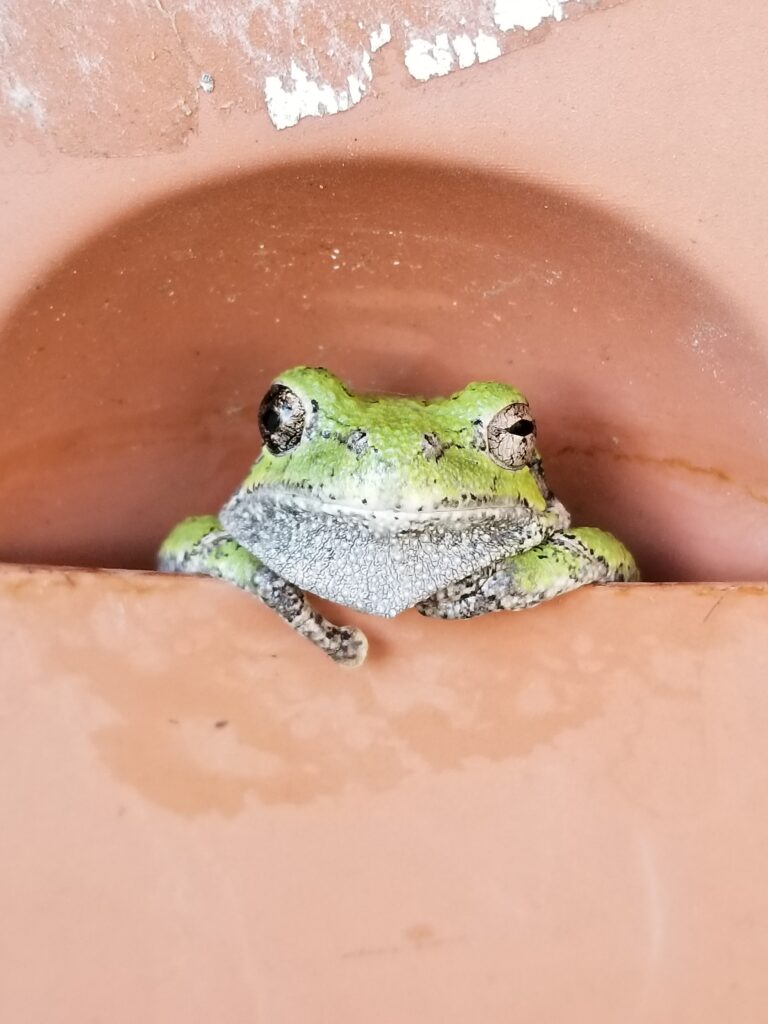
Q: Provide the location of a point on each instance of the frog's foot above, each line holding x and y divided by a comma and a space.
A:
569, 559
200, 546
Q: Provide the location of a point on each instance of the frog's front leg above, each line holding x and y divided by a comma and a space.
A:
569, 559
200, 546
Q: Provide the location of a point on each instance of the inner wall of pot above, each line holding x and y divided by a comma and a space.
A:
132, 375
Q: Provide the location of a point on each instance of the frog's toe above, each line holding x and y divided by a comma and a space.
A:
183, 540
352, 647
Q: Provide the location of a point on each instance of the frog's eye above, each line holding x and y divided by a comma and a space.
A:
281, 419
512, 436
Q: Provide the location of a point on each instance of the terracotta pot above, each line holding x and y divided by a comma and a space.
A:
520, 817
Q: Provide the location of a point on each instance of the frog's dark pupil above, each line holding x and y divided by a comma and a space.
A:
271, 420
523, 428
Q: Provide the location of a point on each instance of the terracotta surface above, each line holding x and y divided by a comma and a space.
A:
547, 816
209, 821
117, 79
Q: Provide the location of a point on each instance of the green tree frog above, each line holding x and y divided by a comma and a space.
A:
382, 503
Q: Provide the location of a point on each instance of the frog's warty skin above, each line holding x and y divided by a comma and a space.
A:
345, 644
567, 560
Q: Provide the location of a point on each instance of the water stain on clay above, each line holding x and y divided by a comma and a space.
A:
294, 736
301, 739
271, 720
204, 701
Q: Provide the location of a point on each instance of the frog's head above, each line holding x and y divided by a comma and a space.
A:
392, 455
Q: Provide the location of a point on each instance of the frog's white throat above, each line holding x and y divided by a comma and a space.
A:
380, 561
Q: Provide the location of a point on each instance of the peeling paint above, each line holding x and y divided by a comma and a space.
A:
430, 57
486, 47
380, 36
425, 59
125, 78
526, 14
304, 97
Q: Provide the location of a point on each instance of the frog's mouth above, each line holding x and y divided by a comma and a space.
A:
380, 561
397, 517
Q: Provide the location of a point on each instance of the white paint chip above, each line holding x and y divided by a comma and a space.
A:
380, 36
526, 14
304, 97
425, 59
296, 95
356, 89
486, 47
464, 49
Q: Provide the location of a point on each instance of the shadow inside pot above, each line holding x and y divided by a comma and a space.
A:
132, 375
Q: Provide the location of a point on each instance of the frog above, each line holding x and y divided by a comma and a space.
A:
384, 502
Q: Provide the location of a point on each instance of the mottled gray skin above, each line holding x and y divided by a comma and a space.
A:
569, 559
379, 567
383, 503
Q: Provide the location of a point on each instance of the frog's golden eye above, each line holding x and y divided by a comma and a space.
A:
512, 436
281, 419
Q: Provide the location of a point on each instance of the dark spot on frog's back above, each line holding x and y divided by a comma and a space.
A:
357, 442
432, 447
478, 435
